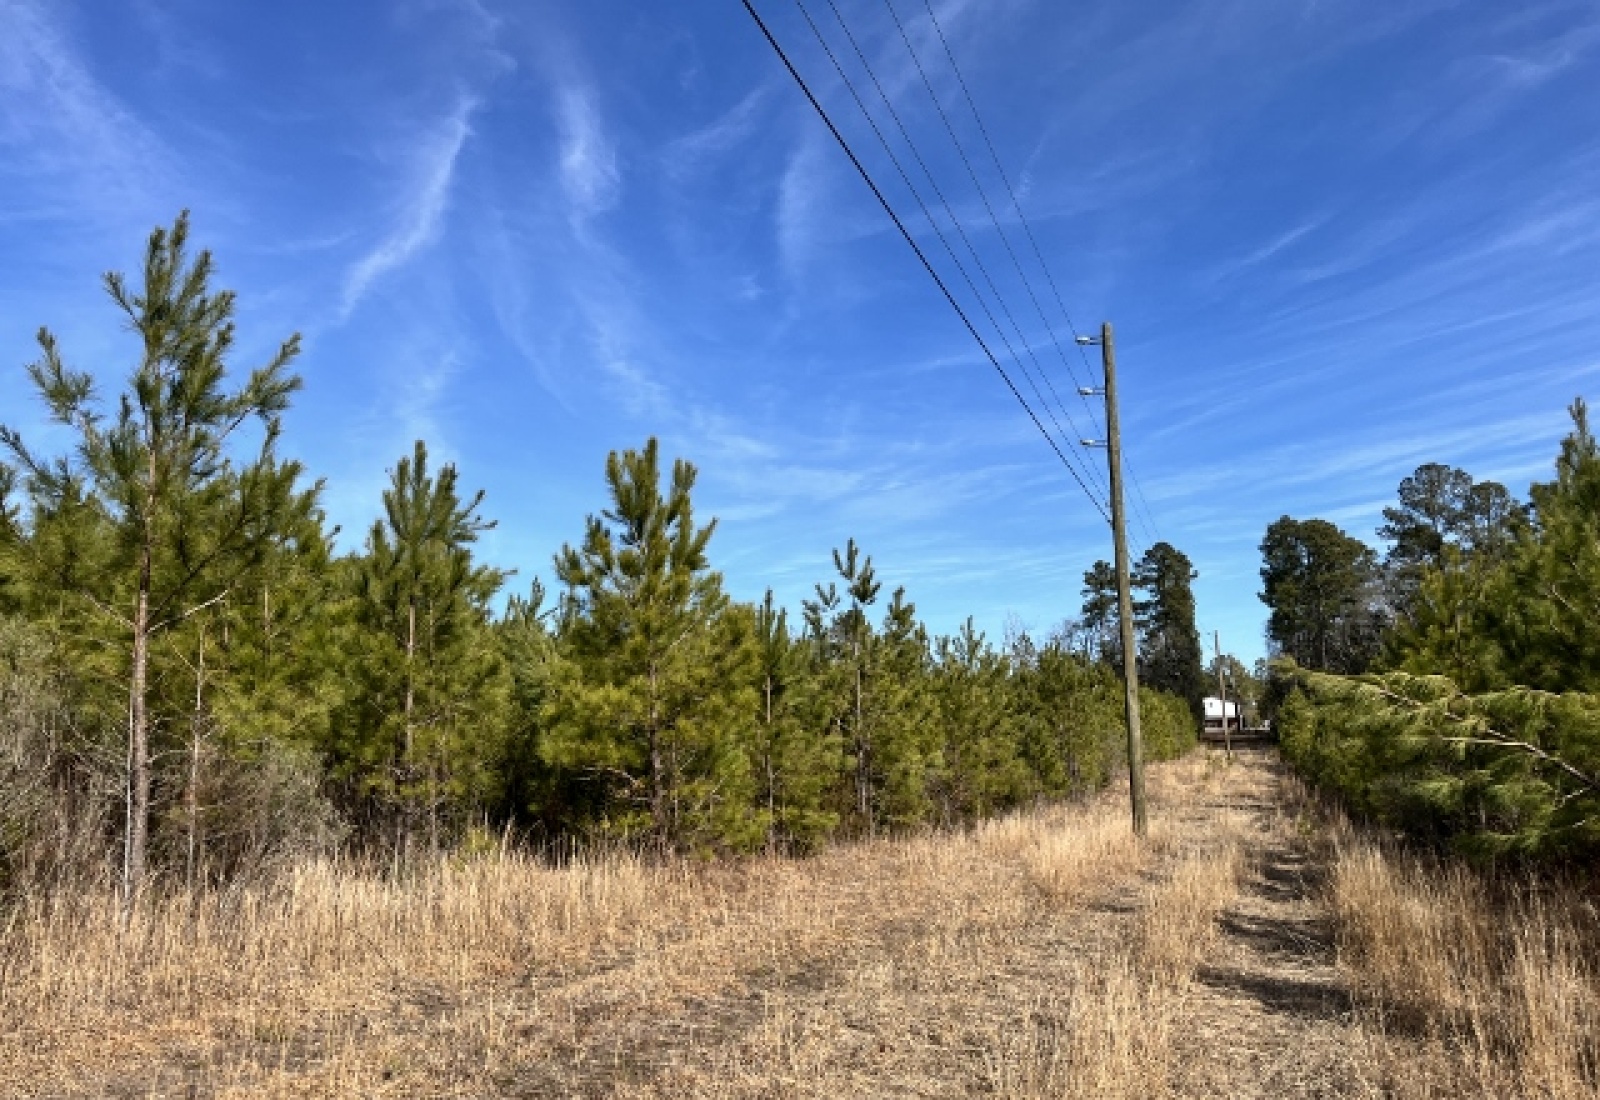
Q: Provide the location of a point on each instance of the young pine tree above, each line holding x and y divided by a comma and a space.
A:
1071, 711
900, 714
657, 696
977, 713
855, 630
797, 762
157, 469
424, 729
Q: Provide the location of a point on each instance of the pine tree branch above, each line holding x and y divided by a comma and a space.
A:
107, 611
196, 609
1490, 735
1503, 741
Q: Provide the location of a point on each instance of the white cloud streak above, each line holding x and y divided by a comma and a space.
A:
422, 210
64, 130
1537, 66
694, 150
590, 175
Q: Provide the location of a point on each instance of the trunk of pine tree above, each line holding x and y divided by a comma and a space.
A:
409, 748
433, 809
772, 779
658, 779
138, 818
433, 770
191, 798
863, 754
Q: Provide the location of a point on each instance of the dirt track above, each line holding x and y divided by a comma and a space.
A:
975, 988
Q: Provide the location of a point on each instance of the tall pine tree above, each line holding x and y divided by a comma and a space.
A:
658, 696
1169, 643
158, 469
423, 733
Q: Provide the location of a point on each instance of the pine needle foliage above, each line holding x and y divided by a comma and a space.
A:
180, 519
657, 696
197, 688
421, 736
1511, 773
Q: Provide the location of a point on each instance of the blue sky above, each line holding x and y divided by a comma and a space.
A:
1337, 239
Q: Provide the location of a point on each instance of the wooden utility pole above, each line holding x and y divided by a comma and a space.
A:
1222, 693
1119, 535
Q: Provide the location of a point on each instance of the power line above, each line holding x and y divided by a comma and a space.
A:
921, 256
949, 213
1027, 228
983, 196
1144, 509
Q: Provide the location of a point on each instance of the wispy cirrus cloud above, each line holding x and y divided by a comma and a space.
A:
723, 135
800, 204
70, 139
421, 209
1541, 63
590, 173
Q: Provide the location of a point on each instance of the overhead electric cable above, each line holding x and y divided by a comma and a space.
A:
977, 184
1027, 229
1005, 240
950, 212
1083, 468
916, 248
933, 223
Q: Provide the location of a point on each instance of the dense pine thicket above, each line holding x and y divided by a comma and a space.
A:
194, 684
1468, 711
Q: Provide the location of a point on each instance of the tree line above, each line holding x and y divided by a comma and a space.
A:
1168, 654
1451, 686
195, 683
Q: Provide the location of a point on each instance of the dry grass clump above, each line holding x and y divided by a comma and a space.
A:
314, 972
1178, 929
1107, 1034
1073, 858
943, 964
1470, 990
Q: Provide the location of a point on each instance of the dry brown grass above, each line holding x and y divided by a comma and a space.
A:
935, 965
1177, 930
1468, 989
1040, 955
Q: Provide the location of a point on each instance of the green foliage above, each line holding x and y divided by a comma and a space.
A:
535, 794
190, 674
1443, 518
1169, 656
422, 734
1167, 724
1073, 732
1321, 588
1486, 733
797, 762
1514, 772
899, 714
1099, 616
1520, 609
657, 698
983, 768
151, 490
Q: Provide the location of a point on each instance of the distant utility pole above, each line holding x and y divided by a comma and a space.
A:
1119, 536
1222, 693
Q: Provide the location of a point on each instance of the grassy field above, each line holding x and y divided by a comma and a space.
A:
1252, 946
